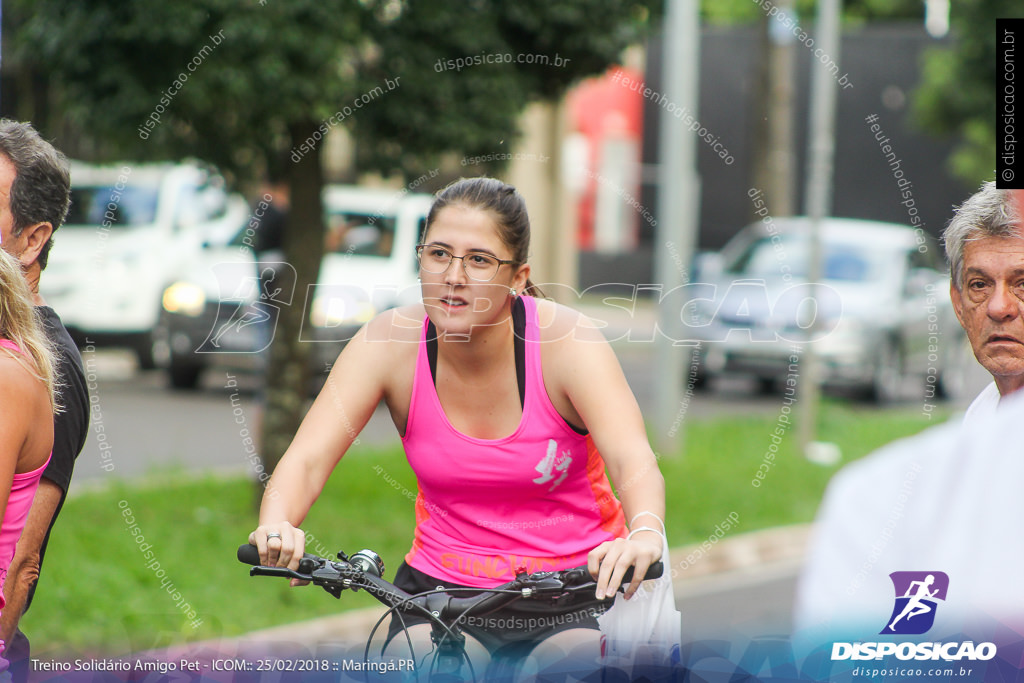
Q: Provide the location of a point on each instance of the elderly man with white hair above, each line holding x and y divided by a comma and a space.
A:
946, 500
985, 247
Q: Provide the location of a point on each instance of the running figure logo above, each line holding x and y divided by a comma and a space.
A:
917, 594
253, 306
251, 315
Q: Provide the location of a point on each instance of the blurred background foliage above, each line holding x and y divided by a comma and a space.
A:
102, 65
282, 63
958, 94
854, 11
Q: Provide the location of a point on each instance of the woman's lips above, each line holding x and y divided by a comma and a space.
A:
453, 302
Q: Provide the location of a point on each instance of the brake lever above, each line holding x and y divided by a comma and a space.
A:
579, 580
279, 571
335, 577
547, 585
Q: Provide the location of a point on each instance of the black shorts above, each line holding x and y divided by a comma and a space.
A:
525, 622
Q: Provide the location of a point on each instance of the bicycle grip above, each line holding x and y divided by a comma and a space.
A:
581, 575
249, 554
653, 572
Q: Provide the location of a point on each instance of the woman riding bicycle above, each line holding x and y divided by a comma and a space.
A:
510, 408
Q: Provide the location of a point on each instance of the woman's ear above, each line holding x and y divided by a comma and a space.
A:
521, 276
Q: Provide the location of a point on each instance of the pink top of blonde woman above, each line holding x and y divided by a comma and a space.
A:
23, 490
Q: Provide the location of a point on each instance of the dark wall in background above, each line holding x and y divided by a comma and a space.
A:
884, 66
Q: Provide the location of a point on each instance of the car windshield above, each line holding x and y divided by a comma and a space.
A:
110, 207
359, 234
766, 259
348, 232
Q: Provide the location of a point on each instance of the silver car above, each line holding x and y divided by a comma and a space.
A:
879, 316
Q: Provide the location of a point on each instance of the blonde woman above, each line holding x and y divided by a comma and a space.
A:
27, 405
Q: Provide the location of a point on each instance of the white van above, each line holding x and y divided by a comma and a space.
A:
132, 229
224, 313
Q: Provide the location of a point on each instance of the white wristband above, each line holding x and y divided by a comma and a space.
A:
645, 512
643, 528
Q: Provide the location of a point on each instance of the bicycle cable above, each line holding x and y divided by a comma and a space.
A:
435, 619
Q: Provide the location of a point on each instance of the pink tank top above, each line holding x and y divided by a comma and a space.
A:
538, 498
23, 490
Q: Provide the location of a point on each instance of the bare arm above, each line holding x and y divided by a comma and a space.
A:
345, 404
591, 376
24, 570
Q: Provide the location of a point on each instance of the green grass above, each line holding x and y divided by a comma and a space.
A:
722, 455
98, 596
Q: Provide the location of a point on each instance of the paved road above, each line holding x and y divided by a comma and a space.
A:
150, 429
751, 604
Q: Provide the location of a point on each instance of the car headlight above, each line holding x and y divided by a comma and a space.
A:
185, 298
331, 311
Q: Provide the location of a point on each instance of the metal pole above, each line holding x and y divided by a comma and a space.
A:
678, 202
819, 203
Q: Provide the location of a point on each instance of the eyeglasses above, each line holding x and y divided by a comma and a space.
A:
477, 266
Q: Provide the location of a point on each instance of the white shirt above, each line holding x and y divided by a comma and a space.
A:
985, 403
949, 499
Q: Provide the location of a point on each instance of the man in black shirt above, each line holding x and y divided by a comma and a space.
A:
35, 187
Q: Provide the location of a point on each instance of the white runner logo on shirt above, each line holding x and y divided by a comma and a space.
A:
552, 463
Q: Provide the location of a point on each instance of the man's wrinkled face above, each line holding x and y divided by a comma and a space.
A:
990, 306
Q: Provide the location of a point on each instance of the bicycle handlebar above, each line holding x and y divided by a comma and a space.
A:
363, 570
336, 576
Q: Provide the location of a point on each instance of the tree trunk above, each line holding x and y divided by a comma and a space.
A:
774, 150
288, 373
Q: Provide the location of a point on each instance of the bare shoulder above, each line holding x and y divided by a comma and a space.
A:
403, 325
574, 348
377, 362
566, 327
382, 357
24, 399
381, 345
580, 367
19, 382
384, 346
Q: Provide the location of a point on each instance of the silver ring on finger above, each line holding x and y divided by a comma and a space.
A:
273, 534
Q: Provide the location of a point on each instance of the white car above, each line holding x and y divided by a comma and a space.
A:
132, 230
224, 312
